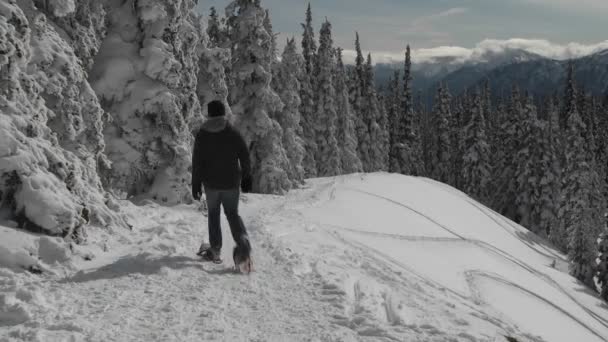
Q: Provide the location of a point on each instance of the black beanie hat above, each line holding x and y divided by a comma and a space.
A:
216, 108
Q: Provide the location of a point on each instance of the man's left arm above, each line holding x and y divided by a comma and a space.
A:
197, 167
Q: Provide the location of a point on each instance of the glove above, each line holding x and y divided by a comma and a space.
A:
246, 184
197, 196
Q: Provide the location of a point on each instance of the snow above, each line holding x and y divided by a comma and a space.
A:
61, 8
364, 257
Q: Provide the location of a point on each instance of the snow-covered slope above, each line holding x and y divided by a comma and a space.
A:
373, 257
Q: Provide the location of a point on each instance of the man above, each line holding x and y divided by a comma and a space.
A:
220, 162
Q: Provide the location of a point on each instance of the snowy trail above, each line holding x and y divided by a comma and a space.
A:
161, 291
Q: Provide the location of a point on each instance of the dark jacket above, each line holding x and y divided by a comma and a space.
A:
218, 150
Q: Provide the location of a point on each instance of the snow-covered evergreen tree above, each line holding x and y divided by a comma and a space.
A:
288, 85
535, 175
83, 22
346, 134
252, 98
214, 62
602, 145
509, 136
602, 265
357, 96
384, 132
581, 210
476, 172
376, 121
147, 81
307, 107
411, 153
214, 29
456, 137
570, 98
395, 130
328, 153
441, 153
51, 122
551, 191
491, 115
273, 37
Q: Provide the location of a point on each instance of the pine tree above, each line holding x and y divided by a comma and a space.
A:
214, 31
602, 145
411, 155
396, 136
307, 107
357, 95
550, 179
376, 121
309, 45
252, 98
273, 36
550, 222
581, 209
289, 90
529, 169
456, 137
602, 266
328, 153
546, 207
385, 133
476, 171
441, 148
491, 115
346, 134
570, 97
509, 137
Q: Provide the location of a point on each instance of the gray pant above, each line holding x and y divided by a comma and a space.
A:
229, 199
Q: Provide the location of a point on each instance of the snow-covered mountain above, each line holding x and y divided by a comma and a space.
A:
545, 76
531, 72
365, 257
427, 73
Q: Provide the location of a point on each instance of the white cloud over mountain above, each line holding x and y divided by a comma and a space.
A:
459, 54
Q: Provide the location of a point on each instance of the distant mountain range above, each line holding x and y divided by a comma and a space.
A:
538, 75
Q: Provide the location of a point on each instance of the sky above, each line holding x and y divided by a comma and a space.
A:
553, 28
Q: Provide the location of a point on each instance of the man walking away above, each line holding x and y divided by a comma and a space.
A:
220, 162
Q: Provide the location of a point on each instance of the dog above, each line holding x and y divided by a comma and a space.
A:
242, 256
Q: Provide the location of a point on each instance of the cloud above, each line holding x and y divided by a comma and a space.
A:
459, 54
421, 21
578, 5
424, 26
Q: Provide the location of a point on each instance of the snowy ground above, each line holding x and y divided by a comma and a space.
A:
357, 258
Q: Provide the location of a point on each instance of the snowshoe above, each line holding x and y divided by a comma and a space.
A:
212, 255
203, 248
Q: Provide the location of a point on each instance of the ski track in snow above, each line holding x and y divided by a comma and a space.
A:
506, 255
313, 281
